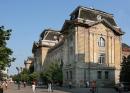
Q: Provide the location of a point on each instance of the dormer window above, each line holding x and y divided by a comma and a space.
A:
99, 17
101, 42
74, 15
55, 37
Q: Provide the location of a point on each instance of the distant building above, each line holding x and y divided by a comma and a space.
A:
48, 39
88, 47
28, 62
4, 74
125, 50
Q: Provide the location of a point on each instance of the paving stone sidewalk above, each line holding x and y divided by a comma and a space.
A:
12, 88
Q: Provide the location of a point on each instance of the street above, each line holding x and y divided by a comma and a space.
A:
12, 88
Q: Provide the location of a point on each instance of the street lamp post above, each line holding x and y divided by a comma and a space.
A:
18, 78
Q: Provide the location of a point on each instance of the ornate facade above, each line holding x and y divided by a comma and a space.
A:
88, 46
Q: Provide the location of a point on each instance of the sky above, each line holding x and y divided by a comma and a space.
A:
28, 18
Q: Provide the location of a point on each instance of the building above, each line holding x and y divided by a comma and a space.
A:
88, 46
28, 62
4, 74
125, 50
48, 39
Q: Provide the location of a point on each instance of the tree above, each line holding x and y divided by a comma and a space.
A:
34, 76
53, 73
5, 52
15, 78
125, 70
24, 75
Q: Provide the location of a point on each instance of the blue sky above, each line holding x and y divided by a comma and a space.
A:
28, 18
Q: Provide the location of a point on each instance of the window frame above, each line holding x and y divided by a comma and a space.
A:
101, 58
67, 75
106, 74
70, 72
101, 42
99, 74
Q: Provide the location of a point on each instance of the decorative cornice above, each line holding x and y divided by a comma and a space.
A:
117, 30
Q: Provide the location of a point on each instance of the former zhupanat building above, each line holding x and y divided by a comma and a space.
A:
88, 46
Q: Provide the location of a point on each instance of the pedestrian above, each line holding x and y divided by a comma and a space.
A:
24, 84
87, 84
121, 87
6, 85
1, 88
70, 84
49, 86
52, 86
19, 85
93, 86
33, 87
3, 84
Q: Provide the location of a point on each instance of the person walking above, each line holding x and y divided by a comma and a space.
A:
1, 88
6, 85
24, 84
33, 87
93, 86
70, 84
87, 84
49, 87
121, 87
19, 85
3, 85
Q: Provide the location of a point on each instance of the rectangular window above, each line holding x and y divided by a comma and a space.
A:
70, 74
101, 59
71, 50
106, 75
67, 75
99, 74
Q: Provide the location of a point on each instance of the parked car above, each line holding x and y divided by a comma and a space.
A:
126, 86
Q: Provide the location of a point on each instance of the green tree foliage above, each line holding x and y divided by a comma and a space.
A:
15, 78
5, 52
24, 75
34, 76
53, 73
125, 70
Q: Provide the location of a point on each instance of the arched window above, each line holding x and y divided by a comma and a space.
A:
101, 42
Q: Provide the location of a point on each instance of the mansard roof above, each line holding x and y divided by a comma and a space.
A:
92, 14
91, 9
29, 60
35, 45
49, 34
67, 23
56, 46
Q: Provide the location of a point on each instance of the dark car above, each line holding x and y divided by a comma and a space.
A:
126, 86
